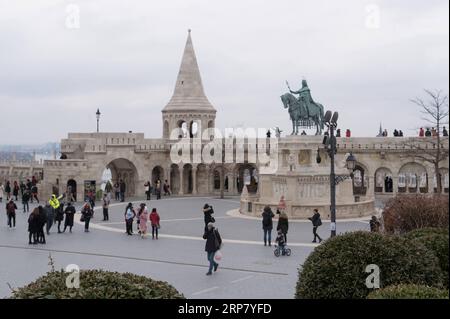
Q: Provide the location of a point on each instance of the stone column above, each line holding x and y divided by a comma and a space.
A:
394, 184
232, 185
181, 190
194, 180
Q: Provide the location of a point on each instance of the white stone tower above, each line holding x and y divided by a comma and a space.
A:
189, 103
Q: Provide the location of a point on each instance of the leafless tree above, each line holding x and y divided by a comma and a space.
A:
435, 112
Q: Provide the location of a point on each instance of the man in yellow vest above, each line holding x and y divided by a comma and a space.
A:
54, 202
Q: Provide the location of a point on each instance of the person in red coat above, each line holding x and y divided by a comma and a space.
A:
348, 133
421, 132
154, 220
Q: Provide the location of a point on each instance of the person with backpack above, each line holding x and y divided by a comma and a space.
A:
70, 213
11, 213
154, 219
267, 225
130, 214
213, 244
316, 221
283, 224
207, 212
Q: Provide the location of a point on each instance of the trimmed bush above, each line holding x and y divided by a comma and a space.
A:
405, 213
336, 269
97, 284
409, 292
436, 240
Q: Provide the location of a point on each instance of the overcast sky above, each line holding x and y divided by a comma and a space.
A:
365, 59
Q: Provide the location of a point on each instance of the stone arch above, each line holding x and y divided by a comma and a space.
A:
247, 174
184, 128
383, 180
412, 178
157, 174
72, 189
123, 169
444, 176
360, 179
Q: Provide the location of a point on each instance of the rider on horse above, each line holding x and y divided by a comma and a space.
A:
304, 97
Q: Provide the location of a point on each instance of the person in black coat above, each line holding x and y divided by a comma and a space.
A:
59, 216
33, 226
42, 222
70, 213
86, 214
316, 221
25, 199
207, 212
267, 225
283, 225
50, 212
213, 244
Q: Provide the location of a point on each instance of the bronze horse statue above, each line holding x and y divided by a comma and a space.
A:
299, 112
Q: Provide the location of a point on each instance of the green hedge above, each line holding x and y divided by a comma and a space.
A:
97, 284
336, 269
409, 292
436, 240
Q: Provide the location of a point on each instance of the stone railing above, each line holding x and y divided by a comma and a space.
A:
65, 163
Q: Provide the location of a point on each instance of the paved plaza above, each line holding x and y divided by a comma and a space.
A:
248, 269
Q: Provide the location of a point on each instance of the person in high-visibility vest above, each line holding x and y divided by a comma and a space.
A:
54, 202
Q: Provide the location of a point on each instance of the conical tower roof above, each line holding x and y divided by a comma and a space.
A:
189, 94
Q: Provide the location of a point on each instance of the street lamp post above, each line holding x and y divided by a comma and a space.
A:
98, 119
330, 121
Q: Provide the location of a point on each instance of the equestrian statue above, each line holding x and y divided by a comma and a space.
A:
303, 111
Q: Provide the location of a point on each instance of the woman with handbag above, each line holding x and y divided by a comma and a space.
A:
86, 215
154, 219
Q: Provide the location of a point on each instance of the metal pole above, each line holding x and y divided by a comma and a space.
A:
332, 183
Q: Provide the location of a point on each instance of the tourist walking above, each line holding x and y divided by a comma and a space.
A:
25, 199
283, 224
213, 244
267, 225
158, 189
108, 189
106, 203
8, 190
154, 220
11, 213
86, 215
123, 188
33, 226
143, 218
130, 214
207, 212
70, 213
2, 192
50, 212
374, 225
16, 189
22, 188
147, 189
34, 193
444, 132
316, 221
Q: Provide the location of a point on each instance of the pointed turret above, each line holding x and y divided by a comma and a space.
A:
189, 93
189, 103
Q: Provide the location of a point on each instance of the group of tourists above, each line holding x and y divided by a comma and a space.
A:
52, 212
28, 191
431, 132
283, 226
142, 218
157, 190
119, 190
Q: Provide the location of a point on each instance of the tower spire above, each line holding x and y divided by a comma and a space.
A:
188, 92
